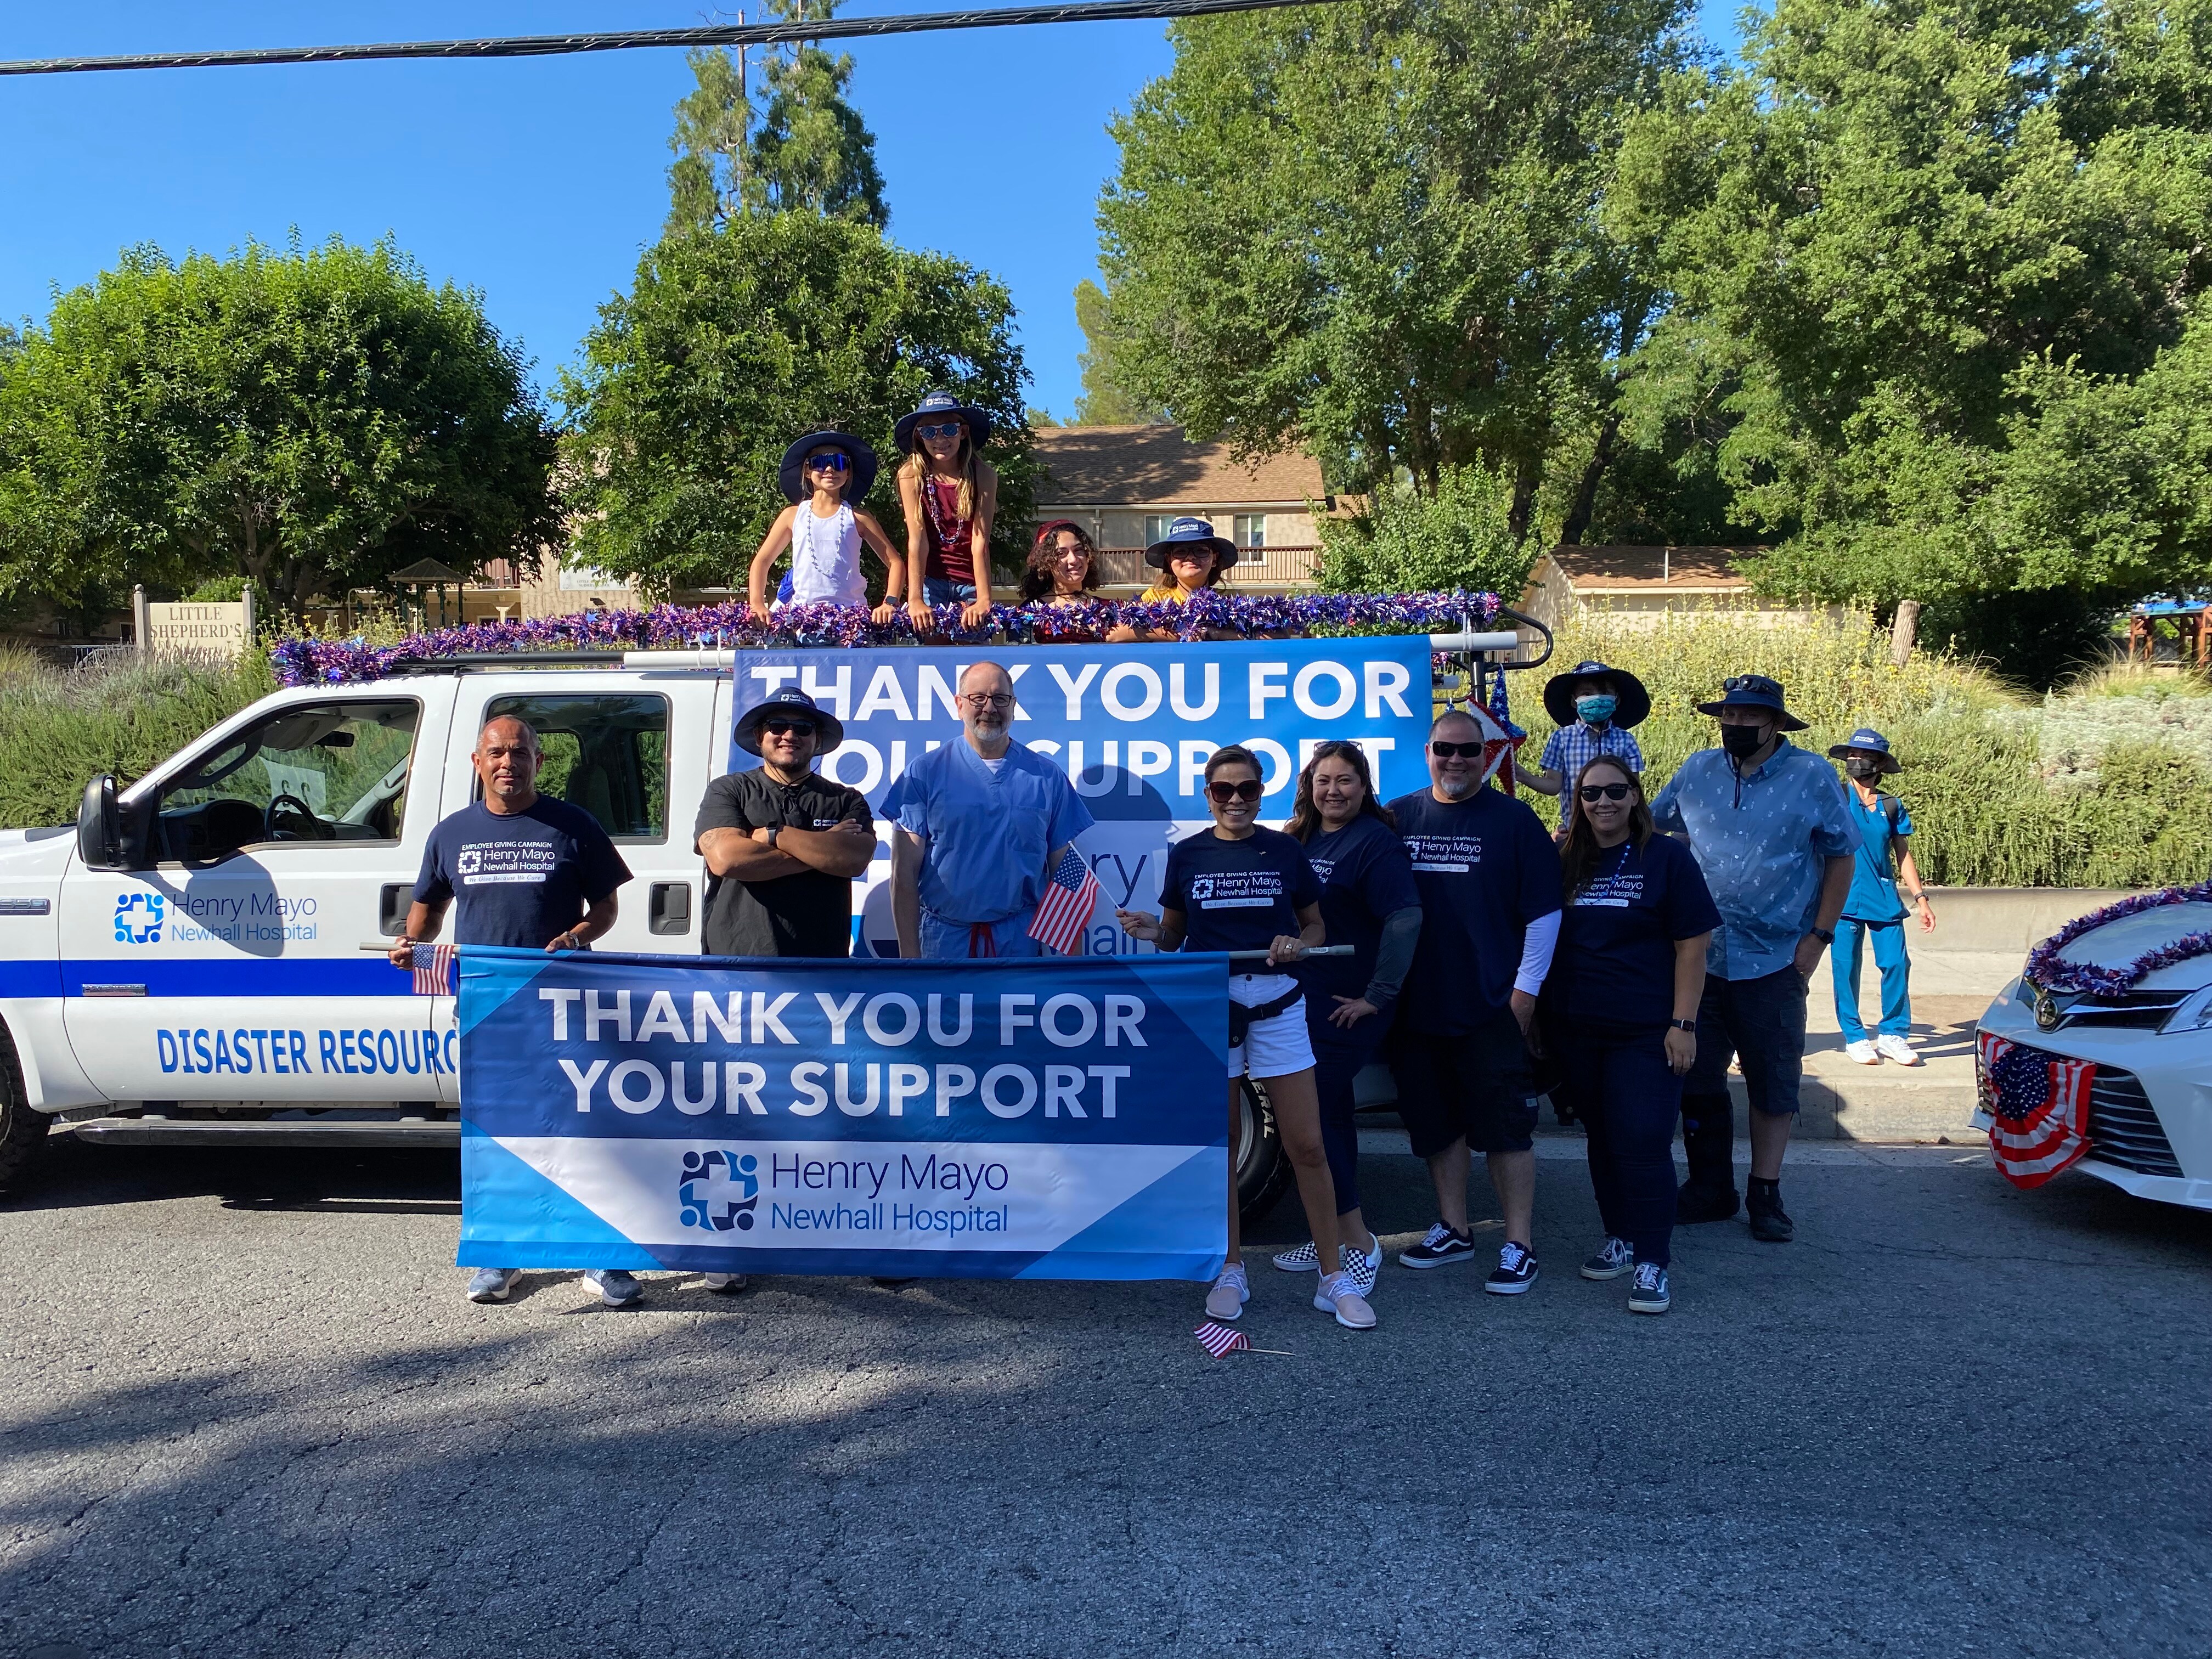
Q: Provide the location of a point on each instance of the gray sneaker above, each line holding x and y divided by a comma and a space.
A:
492, 1283
615, 1288
724, 1284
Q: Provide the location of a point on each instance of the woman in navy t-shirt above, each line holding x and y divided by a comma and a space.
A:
1620, 1011
1239, 887
1368, 901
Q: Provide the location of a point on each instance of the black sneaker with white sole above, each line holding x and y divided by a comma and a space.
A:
1515, 1273
1614, 1258
1441, 1247
1648, 1295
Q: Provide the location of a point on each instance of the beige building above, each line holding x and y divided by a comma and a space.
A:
1648, 582
1125, 484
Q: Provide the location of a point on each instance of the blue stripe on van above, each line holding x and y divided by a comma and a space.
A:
272, 976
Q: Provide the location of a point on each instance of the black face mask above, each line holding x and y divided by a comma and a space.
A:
1743, 741
1859, 766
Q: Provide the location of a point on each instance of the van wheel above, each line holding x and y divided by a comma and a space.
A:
23, 1131
1263, 1172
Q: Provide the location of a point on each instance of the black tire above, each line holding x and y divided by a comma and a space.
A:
23, 1131
1263, 1173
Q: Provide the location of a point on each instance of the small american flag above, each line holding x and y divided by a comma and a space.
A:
1065, 911
1219, 1340
2039, 1106
433, 970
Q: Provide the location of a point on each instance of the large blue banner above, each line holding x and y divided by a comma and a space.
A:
1042, 1119
1132, 725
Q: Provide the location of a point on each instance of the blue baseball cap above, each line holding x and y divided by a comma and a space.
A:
1188, 533
1874, 743
1753, 691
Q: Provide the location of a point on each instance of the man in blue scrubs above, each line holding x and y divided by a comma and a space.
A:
979, 823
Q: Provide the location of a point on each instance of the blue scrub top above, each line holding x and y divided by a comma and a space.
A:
988, 836
1873, 895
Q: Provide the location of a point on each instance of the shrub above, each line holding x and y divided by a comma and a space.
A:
1458, 538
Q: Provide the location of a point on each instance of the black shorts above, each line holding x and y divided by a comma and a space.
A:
1475, 1086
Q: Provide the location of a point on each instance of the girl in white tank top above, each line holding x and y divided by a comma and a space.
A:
822, 474
825, 557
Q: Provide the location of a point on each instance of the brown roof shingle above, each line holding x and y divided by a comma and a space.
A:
1654, 566
1133, 465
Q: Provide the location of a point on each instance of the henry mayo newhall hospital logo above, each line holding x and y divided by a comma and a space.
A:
719, 1190
138, 918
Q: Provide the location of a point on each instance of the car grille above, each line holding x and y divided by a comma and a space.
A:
2122, 1127
2134, 1010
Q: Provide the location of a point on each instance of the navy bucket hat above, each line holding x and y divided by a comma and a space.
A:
943, 404
793, 704
1874, 743
792, 474
1753, 691
1633, 701
1187, 533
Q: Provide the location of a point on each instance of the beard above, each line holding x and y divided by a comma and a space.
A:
1459, 787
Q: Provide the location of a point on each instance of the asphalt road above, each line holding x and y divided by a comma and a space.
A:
247, 1411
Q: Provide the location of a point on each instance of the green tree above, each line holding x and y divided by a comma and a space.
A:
312, 420
732, 343
713, 125
1372, 230
1104, 400
1940, 263
1458, 537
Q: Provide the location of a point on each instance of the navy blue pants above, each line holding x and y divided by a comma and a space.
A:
1336, 1062
1619, 1083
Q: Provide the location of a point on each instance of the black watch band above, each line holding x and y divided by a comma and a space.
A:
774, 831
1825, 935
1689, 1026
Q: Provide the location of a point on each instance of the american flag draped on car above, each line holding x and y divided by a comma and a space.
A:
1065, 911
2039, 1106
433, 970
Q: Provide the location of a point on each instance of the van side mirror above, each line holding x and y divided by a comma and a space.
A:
99, 826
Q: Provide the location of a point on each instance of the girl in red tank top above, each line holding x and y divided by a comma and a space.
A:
949, 493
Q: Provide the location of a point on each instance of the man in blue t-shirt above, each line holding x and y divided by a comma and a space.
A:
528, 872
1488, 876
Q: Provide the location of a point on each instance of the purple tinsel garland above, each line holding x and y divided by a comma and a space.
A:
2045, 969
731, 626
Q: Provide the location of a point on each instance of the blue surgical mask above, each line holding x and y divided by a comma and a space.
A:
1596, 710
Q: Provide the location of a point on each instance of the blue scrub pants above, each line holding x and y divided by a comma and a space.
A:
1339, 1057
944, 940
1889, 956
1627, 1097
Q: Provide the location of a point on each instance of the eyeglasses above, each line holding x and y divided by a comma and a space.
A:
988, 699
947, 429
1446, 751
829, 461
1248, 791
1595, 792
781, 728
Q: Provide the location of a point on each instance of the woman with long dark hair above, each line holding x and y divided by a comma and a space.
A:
1368, 901
1620, 1012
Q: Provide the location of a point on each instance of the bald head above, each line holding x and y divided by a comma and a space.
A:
505, 761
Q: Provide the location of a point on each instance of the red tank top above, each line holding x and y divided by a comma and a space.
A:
951, 544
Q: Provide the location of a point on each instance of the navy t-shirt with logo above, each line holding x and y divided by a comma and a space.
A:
519, 879
1485, 868
1364, 876
1238, 894
1615, 963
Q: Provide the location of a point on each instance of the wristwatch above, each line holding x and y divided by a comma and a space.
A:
1689, 1026
774, 831
1825, 935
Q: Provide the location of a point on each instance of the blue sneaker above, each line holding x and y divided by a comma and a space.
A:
1648, 1294
492, 1283
616, 1288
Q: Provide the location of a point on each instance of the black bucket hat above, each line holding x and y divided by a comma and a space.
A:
791, 701
1753, 691
1192, 532
792, 474
942, 403
1633, 701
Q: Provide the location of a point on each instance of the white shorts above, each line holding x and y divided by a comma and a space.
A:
1275, 1047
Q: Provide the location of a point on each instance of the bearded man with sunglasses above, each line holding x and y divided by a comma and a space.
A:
1488, 876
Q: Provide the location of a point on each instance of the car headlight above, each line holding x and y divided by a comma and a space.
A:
2193, 1015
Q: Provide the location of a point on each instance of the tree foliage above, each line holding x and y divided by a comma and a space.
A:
1372, 230
1460, 536
312, 420
1105, 399
732, 343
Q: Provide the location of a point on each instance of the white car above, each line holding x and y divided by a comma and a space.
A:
2149, 1121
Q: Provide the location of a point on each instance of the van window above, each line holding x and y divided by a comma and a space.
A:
333, 771
606, 752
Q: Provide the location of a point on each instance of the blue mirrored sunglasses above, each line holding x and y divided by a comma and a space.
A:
830, 460
944, 429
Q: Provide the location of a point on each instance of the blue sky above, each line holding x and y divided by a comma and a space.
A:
536, 180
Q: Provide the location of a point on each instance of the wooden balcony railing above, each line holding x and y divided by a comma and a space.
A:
1256, 567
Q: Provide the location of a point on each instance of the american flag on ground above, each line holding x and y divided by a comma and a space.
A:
1065, 911
1219, 1340
433, 970
2039, 1105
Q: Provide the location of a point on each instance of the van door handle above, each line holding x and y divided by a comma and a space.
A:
393, 904
669, 911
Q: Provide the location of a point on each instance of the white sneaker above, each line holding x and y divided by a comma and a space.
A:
1896, 1048
1336, 1295
1863, 1051
1229, 1293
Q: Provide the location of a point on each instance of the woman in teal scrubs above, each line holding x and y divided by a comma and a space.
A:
1875, 911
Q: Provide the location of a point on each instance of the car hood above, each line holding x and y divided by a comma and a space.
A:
2119, 944
34, 857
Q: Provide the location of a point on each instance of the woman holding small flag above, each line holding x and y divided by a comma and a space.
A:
1240, 887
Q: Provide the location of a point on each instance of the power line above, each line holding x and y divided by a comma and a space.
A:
740, 34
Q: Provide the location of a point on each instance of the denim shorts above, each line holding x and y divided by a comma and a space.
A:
943, 589
1761, 1020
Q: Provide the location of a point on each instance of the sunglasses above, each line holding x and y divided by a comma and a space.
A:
782, 728
1249, 791
1596, 792
830, 461
1446, 751
947, 429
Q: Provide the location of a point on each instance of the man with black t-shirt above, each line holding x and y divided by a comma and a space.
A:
531, 872
1488, 876
782, 843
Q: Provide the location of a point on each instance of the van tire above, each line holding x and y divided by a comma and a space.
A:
1263, 1172
22, 1130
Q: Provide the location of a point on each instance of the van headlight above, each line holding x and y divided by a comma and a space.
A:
2193, 1015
